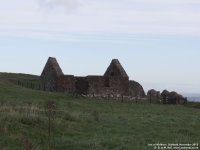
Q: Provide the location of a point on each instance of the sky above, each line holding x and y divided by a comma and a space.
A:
156, 41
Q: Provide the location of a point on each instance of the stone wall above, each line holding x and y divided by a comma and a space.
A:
115, 69
135, 89
172, 98
107, 86
66, 83
81, 85
153, 93
96, 85
119, 85
50, 75
114, 84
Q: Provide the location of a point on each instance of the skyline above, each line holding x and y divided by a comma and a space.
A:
157, 42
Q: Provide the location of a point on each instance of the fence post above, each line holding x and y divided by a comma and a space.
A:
150, 96
122, 98
44, 87
31, 85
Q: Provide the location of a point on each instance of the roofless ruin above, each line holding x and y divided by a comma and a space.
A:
114, 83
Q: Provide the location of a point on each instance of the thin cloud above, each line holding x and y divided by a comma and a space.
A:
156, 17
67, 5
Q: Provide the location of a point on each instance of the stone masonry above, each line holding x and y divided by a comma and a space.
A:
114, 83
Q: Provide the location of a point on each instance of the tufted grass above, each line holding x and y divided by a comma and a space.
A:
82, 123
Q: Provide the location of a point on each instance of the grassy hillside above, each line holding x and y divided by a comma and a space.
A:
81, 123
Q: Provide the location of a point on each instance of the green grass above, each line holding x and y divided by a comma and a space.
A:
82, 123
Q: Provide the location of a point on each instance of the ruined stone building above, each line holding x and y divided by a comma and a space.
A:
114, 83
167, 97
173, 98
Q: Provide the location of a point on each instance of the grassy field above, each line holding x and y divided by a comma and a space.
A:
82, 123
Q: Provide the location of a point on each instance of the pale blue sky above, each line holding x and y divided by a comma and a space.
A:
157, 42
